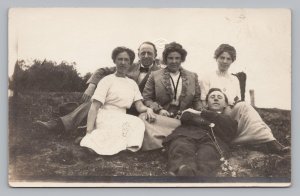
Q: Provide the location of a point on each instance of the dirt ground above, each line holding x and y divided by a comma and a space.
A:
35, 155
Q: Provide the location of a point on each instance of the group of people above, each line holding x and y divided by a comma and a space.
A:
148, 105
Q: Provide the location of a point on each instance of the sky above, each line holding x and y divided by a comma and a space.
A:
87, 36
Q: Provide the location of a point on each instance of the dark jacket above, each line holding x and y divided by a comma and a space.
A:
197, 127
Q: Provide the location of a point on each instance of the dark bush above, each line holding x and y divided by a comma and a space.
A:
47, 76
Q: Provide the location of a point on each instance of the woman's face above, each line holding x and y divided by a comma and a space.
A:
174, 61
122, 62
224, 61
216, 101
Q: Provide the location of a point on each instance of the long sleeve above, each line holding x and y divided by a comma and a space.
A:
189, 118
197, 105
204, 84
101, 73
149, 94
237, 89
225, 128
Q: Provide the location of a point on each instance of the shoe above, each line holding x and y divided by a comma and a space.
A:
185, 170
87, 155
67, 108
54, 125
78, 140
277, 148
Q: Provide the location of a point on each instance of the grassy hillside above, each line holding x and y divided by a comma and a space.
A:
40, 156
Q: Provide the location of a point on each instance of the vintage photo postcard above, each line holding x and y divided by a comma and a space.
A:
149, 97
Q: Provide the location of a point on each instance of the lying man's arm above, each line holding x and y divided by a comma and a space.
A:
225, 127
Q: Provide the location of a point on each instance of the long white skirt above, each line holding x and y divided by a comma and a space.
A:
115, 131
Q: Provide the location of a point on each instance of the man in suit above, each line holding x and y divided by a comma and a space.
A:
139, 72
195, 147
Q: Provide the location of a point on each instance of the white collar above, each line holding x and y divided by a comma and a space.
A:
174, 75
119, 76
219, 73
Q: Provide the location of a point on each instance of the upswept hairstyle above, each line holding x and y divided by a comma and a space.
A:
226, 48
173, 47
149, 43
121, 49
213, 90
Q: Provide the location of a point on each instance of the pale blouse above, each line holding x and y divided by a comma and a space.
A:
229, 84
175, 78
117, 92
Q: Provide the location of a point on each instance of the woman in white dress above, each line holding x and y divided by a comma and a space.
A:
251, 128
109, 129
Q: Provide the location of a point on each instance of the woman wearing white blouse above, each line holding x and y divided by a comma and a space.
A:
251, 128
109, 129
223, 80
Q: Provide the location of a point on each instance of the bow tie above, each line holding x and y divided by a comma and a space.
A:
144, 69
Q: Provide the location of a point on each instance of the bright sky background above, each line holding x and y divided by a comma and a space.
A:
87, 36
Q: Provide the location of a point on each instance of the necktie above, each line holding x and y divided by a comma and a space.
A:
144, 69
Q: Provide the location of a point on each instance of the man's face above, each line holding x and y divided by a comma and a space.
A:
216, 101
146, 54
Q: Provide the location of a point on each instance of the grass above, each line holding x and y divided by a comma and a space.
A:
35, 155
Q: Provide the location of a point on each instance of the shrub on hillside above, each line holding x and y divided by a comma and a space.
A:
47, 76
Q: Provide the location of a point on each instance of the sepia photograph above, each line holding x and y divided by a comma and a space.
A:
149, 97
